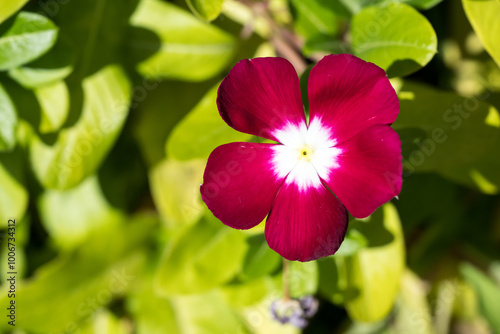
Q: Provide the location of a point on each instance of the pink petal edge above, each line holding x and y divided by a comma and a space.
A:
349, 94
261, 95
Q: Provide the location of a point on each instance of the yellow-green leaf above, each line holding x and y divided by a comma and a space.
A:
484, 17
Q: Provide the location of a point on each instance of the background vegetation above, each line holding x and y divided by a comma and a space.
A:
108, 114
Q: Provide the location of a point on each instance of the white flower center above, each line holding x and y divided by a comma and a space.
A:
307, 154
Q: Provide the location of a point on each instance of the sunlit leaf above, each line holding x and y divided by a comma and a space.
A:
7, 8
13, 194
206, 9
395, 37
303, 278
53, 66
54, 105
201, 131
483, 16
70, 216
355, 6
80, 149
105, 322
212, 315
8, 121
175, 187
374, 273
422, 4
202, 313
77, 285
30, 36
207, 255
179, 45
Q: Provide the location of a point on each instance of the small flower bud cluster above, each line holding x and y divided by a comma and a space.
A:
294, 311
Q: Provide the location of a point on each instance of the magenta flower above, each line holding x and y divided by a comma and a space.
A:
346, 158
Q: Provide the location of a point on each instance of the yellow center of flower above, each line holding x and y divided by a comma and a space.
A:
305, 153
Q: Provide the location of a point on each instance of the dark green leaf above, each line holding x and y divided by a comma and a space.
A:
451, 135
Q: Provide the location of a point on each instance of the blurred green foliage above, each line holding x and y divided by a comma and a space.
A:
107, 117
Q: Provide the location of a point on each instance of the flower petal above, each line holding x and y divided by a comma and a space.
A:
306, 224
349, 95
240, 183
369, 170
260, 96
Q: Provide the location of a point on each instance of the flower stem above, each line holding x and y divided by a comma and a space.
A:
286, 279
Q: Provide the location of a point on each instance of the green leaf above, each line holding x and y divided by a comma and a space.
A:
105, 322
422, 4
207, 255
374, 273
354, 241
70, 216
203, 313
488, 294
483, 16
201, 131
7, 8
8, 121
80, 149
30, 36
260, 260
166, 104
206, 314
355, 6
251, 292
252, 300
206, 9
176, 44
75, 286
454, 136
153, 314
50, 68
13, 194
54, 105
316, 18
395, 37
303, 278
175, 187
